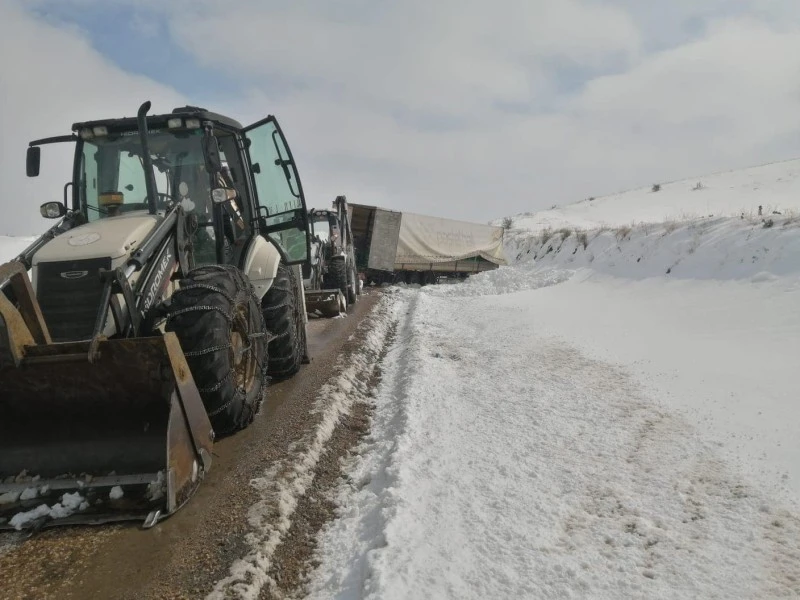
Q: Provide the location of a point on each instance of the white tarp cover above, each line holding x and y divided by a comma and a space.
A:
425, 240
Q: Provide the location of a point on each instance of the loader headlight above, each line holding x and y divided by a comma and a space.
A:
192, 123
86, 133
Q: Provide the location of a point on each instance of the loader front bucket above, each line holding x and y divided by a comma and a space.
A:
122, 437
326, 303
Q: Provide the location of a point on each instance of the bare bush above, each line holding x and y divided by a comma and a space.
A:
565, 232
623, 232
670, 226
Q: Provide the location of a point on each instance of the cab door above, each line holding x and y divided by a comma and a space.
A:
282, 214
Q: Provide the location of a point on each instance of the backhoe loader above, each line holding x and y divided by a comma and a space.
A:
147, 322
331, 280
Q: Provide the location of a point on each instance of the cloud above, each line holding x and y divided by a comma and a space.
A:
447, 58
469, 109
52, 78
478, 110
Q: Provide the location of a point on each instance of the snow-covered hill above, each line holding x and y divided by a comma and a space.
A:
775, 187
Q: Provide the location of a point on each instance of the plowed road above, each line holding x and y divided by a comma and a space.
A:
188, 553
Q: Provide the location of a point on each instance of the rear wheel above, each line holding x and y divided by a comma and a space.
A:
284, 319
216, 315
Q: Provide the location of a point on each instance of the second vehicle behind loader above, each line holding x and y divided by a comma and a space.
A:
331, 281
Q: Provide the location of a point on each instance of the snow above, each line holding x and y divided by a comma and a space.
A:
9, 497
774, 186
21, 519
613, 416
29, 493
116, 493
11, 246
70, 504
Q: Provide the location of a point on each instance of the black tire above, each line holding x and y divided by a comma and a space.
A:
352, 285
217, 317
284, 319
337, 275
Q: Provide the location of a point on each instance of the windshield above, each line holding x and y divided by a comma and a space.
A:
322, 228
112, 177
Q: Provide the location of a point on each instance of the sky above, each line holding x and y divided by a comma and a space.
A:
455, 108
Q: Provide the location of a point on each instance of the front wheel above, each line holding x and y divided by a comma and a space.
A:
337, 275
216, 316
352, 285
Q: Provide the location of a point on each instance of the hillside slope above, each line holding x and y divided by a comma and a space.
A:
775, 186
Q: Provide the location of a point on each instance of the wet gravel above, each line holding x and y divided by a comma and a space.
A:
184, 556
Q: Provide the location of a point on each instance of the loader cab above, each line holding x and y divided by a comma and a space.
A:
326, 231
193, 152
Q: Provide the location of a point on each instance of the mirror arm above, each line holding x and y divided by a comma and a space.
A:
66, 186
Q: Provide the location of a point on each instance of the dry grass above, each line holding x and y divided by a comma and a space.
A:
623, 232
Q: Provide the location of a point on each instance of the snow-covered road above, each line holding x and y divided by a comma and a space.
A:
506, 461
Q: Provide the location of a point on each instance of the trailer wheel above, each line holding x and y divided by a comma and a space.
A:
217, 318
284, 319
337, 275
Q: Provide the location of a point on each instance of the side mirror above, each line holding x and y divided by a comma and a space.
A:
52, 210
33, 160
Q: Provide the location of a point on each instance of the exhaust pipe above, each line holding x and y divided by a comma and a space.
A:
147, 163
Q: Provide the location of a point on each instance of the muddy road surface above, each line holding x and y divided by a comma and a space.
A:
248, 531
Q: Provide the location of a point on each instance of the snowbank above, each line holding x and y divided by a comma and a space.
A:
721, 248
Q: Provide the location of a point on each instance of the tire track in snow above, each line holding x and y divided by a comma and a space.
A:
366, 500
284, 483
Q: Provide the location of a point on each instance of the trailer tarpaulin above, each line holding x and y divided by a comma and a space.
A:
426, 240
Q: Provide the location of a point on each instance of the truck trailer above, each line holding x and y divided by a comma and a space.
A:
403, 247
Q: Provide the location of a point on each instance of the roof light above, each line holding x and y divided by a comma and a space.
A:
86, 133
100, 130
175, 123
193, 123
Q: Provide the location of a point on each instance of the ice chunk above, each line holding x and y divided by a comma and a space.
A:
116, 493
29, 493
9, 497
69, 504
155, 490
19, 520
